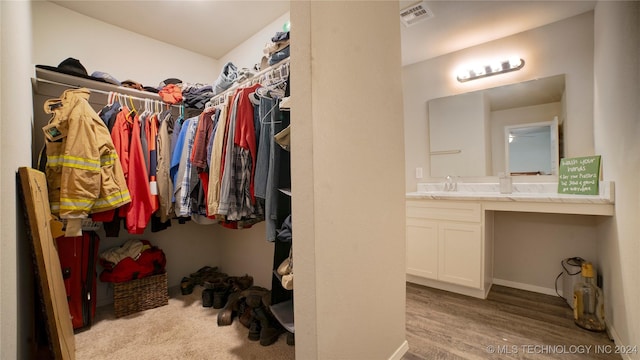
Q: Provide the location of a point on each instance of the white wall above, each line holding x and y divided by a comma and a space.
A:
565, 47
59, 33
528, 248
347, 183
250, 52
617, 130
16, 279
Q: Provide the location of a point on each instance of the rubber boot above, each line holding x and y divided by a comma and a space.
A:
244, 313
227, 313
240, 283
253, 295
254, 329
269, 332
207, 297
291, 338
186, 286
220, 295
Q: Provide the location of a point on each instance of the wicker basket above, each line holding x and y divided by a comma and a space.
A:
141, 294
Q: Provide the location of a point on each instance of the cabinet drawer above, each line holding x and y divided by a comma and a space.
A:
444, 210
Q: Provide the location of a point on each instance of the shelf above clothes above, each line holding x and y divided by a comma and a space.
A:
275, 72
48, 82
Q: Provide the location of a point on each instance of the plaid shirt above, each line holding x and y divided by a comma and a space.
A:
239, 195
183, 188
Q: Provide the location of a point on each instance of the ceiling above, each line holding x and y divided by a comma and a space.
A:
208, 27
458, 25
214, 27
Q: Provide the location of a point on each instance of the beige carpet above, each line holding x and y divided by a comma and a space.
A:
181, 330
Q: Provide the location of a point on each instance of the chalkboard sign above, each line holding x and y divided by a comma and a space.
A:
579, 175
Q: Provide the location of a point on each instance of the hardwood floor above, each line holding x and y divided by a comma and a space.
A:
509, 324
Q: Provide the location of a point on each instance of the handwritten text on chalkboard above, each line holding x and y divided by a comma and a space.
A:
579, 175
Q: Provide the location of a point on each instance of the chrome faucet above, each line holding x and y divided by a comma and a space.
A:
450, 183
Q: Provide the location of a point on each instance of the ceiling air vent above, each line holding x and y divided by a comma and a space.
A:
415, 13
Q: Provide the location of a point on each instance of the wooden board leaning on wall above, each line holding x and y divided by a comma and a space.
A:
52, 293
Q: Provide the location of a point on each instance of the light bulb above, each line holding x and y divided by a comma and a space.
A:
514, 62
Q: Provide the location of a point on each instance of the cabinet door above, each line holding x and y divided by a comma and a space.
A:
422, 248
460, 250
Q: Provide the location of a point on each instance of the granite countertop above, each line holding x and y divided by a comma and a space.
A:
524, 192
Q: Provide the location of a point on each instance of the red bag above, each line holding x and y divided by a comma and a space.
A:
150, 262
78, 257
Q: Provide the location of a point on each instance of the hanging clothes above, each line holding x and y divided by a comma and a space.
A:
227, 159
218, 164
203, 132
177, 143
126, 135
186, 178
199, 159
215, 167
268, 162
163, 178
237, 198
83, 172
151, 136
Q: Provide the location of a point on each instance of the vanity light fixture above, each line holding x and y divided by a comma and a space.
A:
495, 68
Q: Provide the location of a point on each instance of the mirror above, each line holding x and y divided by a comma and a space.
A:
467, 131
532, 149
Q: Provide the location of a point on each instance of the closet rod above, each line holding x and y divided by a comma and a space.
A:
273, 67
156, 97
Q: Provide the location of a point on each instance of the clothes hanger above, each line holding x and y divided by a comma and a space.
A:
277, 88
121, 99
262, 119
147, 108
133, 107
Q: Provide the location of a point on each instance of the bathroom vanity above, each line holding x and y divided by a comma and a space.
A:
450, 233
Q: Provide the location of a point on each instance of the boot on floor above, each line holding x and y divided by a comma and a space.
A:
270, 330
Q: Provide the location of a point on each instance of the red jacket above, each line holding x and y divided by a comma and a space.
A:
126, 139
245, 135
151, 134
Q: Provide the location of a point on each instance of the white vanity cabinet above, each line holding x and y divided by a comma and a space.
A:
450, 233
446, 246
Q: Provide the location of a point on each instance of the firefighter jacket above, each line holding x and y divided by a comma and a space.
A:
84, 174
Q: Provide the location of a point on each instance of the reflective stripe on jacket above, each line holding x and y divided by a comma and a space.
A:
83, 172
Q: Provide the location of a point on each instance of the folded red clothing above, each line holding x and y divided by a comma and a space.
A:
151, 261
